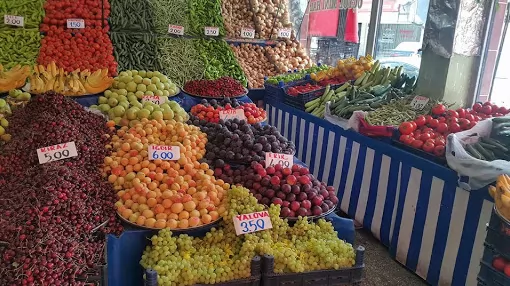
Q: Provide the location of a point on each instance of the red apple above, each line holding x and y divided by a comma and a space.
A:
257, 178
258, 166
295, 205
330, 189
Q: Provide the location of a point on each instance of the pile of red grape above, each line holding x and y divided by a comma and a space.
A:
237, 141
297, 191
51, 215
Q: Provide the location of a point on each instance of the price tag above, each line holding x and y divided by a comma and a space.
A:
284, 33
168, 153
247, 33
154, 99
56, 152
176, 30
419, 102
285, 160
229, 114
247, 223
212, 31
75, 23
14, 20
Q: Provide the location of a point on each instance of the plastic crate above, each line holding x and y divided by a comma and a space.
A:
301, 99
348, 276
277, 91
488, 274
499, 225
418, 152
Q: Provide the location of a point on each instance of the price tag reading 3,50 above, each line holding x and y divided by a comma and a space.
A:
284, 160
247, 223
419, 102
229, 114
167, 153
284, 33
75, 23
212, 31
176, 30
56, 152
247, 33
17, 21
156, 99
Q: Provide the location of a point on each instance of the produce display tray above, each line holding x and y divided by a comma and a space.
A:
312, 218
205, 227
218, 97
301, 99
347, 276
420, 153
488, 274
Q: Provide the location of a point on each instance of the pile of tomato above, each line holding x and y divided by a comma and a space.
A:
429, 132
296, 90
89, 48
91, 11
252, 113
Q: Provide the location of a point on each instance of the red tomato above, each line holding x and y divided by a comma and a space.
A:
439, 109
507, 270
439, 150
470, 117
409, 140
487, 103
439, 142
499, 263
433, 123
428, 118
428, 146
487, 109
471, 124
433, 135
462, 112
406, 128
414, 125
417, 144
477, 107
503, 110
452, 120
424, 137
498, 114
442, 128
416, 133
427, 129
420, 120
464, 123
454, 128
441, 119
495, 108
452, 113
404, 138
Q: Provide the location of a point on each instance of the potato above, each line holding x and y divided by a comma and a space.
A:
254, 63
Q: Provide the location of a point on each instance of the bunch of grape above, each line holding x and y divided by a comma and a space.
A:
222, 256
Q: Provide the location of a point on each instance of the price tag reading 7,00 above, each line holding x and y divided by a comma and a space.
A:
56, 152
248, 223
284, 160
162, 152
419, 102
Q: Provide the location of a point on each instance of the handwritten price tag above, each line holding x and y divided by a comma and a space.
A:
285, 160
168, 153
284, 33
176, 30
253, 222
14, 20
419, 102
247, 33
229, 114
56, 152
154, 99
75, 23
212, 31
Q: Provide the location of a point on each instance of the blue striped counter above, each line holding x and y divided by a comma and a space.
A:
413, 206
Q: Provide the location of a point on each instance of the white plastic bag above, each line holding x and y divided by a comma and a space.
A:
480, 172
354, 121
333, 118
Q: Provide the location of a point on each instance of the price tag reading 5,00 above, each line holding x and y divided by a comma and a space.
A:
17, 21
75, 23
167, 153
56, 152
284, 160
248, 223
212, 31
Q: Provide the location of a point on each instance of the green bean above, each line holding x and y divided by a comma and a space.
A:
135, 51
169, 12
131, 15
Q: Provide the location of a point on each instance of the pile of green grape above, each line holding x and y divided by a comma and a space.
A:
222, 256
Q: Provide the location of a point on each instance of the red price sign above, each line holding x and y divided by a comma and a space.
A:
229, 114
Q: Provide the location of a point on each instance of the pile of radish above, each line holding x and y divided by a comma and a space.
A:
53, 215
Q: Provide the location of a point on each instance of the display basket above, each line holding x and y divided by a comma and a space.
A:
205, 227
277, 91
312, 218
488, 275
301, 99
215, 97
346, 276
418, 152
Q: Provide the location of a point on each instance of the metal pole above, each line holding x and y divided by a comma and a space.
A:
373, 27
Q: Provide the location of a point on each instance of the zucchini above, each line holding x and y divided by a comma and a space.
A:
501, 120
487, 155
500, 125
472, 151
494, 142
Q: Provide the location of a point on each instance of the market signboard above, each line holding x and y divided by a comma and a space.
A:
324, 16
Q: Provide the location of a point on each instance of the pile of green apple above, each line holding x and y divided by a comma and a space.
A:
123, 101
5, 110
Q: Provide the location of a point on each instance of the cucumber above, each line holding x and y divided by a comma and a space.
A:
501, 125
501, 119
487, 155
494, 142
472, 151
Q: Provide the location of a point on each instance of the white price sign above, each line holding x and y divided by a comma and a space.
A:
247, 223
284, 160
176, 30
14, 20
75, 23
156, 99
284, 33
162, 152
419, 102
56, 152
247, 33
212, 31
228, 114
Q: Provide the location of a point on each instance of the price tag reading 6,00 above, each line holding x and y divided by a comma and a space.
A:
56, 152
284, 160
162, 152
248, 223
